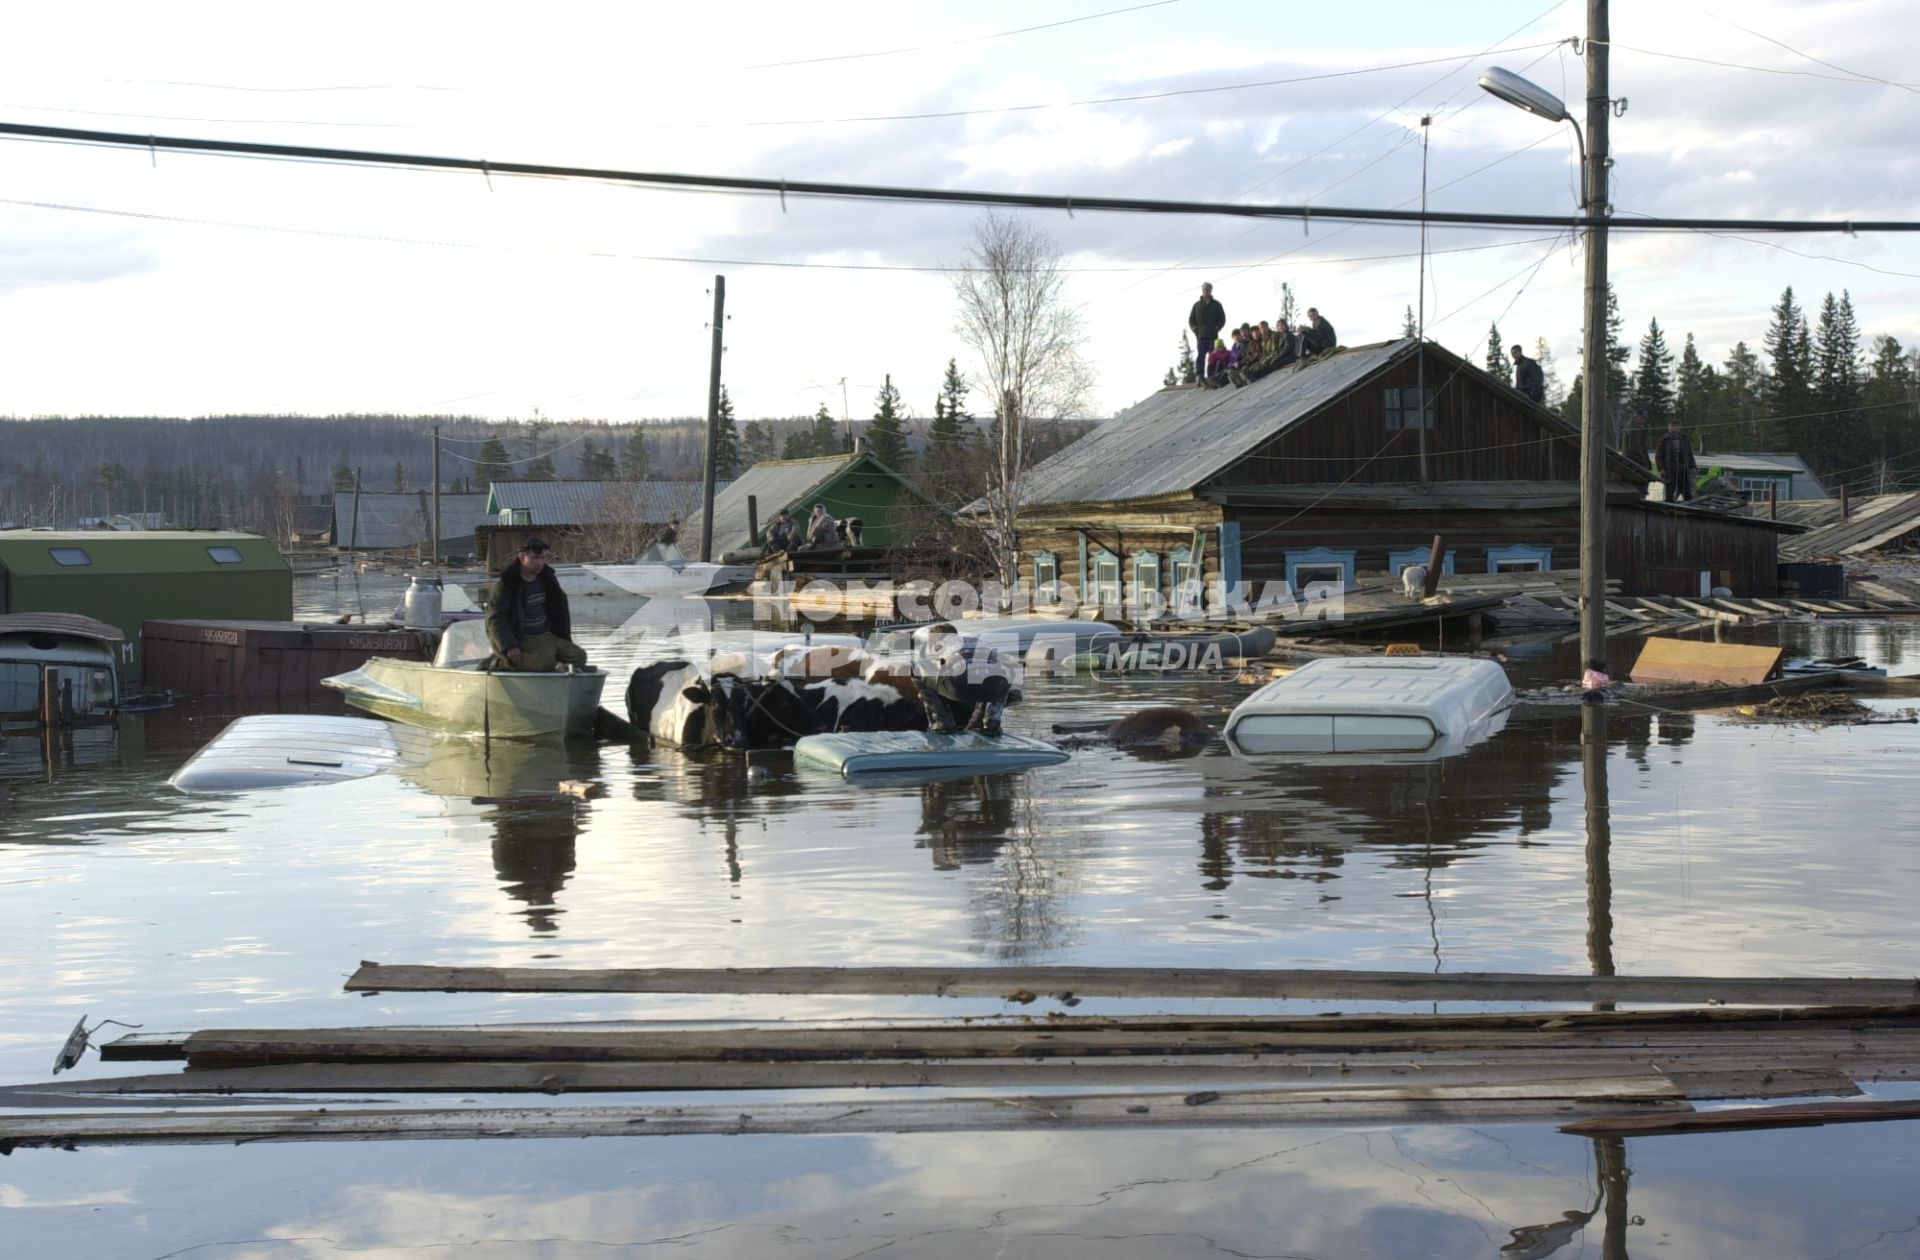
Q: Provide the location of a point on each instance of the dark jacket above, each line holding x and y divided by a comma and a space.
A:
1634, 443
1675, 458
503, 609
1319, 337
1206, 320
783, 535
1529, 379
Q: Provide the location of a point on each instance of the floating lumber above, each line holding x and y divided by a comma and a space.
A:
1201, 1109
1797, 1115
1136, 982
1724, 664
1072, 1037
1698, 1076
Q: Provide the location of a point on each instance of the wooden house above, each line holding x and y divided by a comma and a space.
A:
1335, 472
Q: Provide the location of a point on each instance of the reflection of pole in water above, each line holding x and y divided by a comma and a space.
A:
1536, 1242
1593, 774
1610, 1155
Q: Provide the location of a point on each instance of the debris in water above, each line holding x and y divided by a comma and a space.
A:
1022, 996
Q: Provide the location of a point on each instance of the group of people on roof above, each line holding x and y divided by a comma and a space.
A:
1255, 349
821, 530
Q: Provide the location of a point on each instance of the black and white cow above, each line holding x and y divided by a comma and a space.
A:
682, 704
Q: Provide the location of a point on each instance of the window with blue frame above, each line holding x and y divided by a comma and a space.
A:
1106, 578
1184, 593
1046, 574
1146, 579
1519, 558
1397, 561
1319, 566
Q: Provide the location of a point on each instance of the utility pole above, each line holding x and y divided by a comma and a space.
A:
1420, 339
713, 419
436, 496
1593, 426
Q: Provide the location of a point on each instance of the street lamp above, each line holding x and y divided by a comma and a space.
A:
1536, 100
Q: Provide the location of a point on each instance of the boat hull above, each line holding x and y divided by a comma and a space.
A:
693, 577
502, 705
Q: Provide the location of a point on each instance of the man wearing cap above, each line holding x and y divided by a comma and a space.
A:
527, 619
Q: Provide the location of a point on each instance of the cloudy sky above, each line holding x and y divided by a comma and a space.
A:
136, 283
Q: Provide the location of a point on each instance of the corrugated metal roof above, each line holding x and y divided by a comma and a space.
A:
774, 484
596, 502
401, 520
1874, 523
1178, 438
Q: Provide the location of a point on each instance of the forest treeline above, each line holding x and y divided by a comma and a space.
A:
244, 471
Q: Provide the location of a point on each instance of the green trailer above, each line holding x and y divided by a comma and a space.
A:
128, 578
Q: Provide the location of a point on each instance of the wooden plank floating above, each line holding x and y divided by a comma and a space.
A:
1200, 1109
1150, 982
1719, 1075
1791, 1116
1686, 661
1067, 1038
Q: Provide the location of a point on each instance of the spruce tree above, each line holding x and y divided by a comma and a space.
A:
756, 444
1652, 389
1840, 440
494, 462
1498, 364
1789, 397
633, 459
542, 469
1187, 369
1886, 401
953, 392
342, 477
825, 437
886, 433
598, 463
799, 444
1617, 353
726, 447
399, 477
1408, 328
1740, 406
589, 455
1169, 380
1690, 400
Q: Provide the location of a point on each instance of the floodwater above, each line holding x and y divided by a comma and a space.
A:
1734, 849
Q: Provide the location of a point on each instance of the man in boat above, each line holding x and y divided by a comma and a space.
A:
527, 619
961, 684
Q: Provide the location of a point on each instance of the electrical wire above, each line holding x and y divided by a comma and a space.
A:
957, 43
1847, 77
921, 268
731, 184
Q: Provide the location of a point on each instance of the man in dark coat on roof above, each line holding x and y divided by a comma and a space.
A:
1527, 376
1206, 319
528, 621
1319, 336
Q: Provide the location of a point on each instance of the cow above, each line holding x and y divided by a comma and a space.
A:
681, 704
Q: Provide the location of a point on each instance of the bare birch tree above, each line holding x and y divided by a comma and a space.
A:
1015, 317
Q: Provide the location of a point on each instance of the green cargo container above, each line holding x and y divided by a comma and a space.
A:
128, 578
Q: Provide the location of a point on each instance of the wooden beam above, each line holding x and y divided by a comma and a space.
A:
1203, 1109
1791, 1116
1134, 982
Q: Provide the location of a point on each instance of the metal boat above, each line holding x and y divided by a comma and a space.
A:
664, 571
459, 694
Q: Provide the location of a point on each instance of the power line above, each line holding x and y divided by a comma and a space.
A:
923, 268
931, 196
1848, 77
957, 43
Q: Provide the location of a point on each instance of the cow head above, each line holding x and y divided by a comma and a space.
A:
752, 712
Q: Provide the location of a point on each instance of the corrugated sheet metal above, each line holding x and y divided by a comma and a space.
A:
1175, 440
597, 502
401, 520
774, 483
1873, 524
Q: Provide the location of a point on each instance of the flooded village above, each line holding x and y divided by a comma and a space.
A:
1355, 794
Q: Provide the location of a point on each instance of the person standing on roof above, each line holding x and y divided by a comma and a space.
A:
1205, 320
1527, 376
527, 618
1634, 441
1674, 456
1319, 336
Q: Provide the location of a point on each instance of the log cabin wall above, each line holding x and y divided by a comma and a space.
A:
1658, 551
